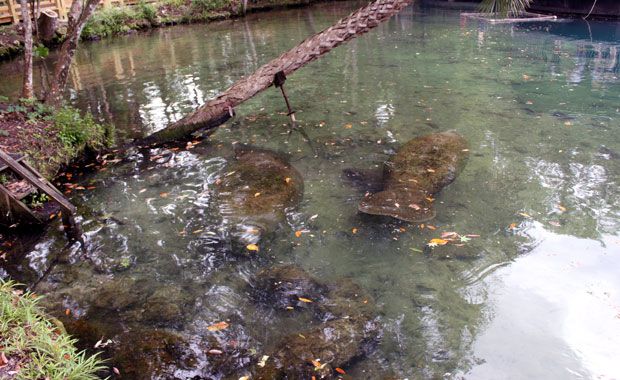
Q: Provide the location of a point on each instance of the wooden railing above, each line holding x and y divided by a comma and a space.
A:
10, 10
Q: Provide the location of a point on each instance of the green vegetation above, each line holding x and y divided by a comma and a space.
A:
52, 137
34, 345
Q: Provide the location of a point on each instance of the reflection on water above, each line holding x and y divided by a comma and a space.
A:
535, 209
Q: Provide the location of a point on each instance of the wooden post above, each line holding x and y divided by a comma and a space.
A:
106, 4
62, 12
11, 4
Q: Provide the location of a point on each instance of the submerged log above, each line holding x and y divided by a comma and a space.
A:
220, 109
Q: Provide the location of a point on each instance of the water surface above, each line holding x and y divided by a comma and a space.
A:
531, 292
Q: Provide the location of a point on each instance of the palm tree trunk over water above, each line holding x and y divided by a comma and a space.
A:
218, 110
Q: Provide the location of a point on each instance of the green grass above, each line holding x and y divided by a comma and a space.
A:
44, 350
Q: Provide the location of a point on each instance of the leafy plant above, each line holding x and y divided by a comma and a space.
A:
76, 131
41, 51
38, 342
504, 8
36, 200
146, 11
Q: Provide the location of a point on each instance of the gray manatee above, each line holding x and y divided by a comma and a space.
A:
256, 192
420, 168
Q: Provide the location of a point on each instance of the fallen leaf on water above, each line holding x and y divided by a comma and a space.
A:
567, 123
263, 360
430, 199
524, 214
348, 126
197, 231
431, 227
297, 233
181, 233
355, 230
244, 378
562, 208
256, 195
163, 195
67, 312
416, 250
252, 247
116, 371
217, 352
415, 206
290, 308
512, 225
316, 363
439, 241
555, 224
339, 370
448, 234
288, 180
430, 170
141, 191
218, 326
304, 300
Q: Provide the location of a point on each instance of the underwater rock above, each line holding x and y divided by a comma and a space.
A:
421, 168
335, 344
256, 192
345, 299
167, 306
282, 286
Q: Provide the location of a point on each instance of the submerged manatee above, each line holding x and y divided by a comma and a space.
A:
256, 192
421, 168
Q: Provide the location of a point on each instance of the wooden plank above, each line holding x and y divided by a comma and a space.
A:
37, 182
12, 209
48, 183
62, 12
12, 11
16, 156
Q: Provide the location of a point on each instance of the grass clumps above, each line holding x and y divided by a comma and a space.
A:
35, 346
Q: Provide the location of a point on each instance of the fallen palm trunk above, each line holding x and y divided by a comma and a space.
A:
220, 109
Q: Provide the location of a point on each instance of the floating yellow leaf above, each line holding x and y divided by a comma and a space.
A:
297, 233
431, 227
244, 378
218, 326
256, 195
512, 225
197, 231
439, 241
252, 247
567, 123
316, 364
290, 307
340, 370
562, 208
163, 195
348, 126
430, 170
304, 300
288, 180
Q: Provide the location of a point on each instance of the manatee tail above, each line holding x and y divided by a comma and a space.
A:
410, 205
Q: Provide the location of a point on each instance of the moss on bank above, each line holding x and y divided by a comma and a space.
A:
34, 345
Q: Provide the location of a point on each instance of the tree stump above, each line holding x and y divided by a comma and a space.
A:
47, 24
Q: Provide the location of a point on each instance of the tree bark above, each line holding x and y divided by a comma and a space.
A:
27, 92
218, 110
78, 16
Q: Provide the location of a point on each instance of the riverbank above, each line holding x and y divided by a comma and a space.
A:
128, 20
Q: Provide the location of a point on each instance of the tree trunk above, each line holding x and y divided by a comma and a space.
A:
218, 110
27, 90
78, 16
47, 24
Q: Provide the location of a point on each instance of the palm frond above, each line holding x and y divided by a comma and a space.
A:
503, 8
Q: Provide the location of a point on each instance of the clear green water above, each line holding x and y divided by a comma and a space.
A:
536, 295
